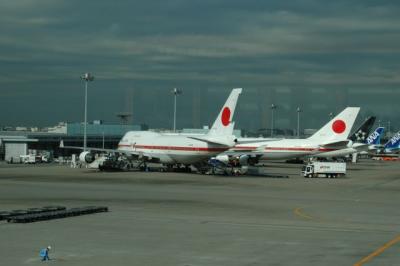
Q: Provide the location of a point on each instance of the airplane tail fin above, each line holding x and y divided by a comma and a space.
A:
394, 142
338, 129
223, 125
362, 132
375, 137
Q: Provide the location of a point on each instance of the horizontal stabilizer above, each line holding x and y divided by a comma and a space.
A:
336, 144
361, 147
255, 140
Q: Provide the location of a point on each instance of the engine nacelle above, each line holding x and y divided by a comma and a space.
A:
244, 159
247, 160
86, 157
223, 158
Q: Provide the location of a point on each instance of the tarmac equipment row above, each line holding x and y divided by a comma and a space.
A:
54, 212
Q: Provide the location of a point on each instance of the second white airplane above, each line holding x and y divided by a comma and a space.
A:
330, 137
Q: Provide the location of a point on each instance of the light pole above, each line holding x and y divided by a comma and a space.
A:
176, 92
103, 139
298, 121
86, 77
273, 107
389, 128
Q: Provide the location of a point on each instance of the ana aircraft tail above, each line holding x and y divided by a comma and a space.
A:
223, 125
337, 130
393, 143
375, 137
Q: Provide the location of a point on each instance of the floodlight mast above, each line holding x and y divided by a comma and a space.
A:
298, 121
86, 77
273, 107
176, 92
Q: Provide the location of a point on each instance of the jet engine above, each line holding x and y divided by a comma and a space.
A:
86, 157
247, 160
244, 159
223, 158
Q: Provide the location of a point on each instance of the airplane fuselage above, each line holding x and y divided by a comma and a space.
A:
282, 149
169, 149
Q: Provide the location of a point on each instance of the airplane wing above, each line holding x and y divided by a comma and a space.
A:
335, 144
92, 149
136, 154
241, 146
225, 141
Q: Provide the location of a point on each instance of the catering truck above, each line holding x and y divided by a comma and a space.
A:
324, 169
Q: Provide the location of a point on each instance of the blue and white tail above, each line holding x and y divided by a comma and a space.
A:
393, 143
375, 137
223, 125
338, 129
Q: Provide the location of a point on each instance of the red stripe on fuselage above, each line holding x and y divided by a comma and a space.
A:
326, 149
289, 149
173, 148
245, 148
282, 149
297, 149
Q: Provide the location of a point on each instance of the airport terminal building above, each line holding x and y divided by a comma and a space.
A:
15, 143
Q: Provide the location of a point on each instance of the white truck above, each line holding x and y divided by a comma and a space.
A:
324, 169
29, 158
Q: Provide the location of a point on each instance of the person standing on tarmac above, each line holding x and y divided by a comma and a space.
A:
44, 253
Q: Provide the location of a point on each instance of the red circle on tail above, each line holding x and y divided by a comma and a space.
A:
339, 126
226, 116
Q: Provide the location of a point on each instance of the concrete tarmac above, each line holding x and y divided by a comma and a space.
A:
192, 220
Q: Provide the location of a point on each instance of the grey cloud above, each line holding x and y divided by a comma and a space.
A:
45, 45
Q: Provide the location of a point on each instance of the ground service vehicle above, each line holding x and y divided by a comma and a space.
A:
30, 158
324, 169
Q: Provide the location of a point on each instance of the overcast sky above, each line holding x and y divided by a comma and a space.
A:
215, 45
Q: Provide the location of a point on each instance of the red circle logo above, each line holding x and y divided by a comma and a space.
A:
226, 116
339, 126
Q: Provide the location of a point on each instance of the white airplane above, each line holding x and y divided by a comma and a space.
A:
360, 141
330, 137
173, 149
370, 145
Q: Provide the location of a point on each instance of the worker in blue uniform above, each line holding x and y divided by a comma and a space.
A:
44, 253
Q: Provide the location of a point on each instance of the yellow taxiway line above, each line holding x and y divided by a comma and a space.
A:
299, 212
378, 251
